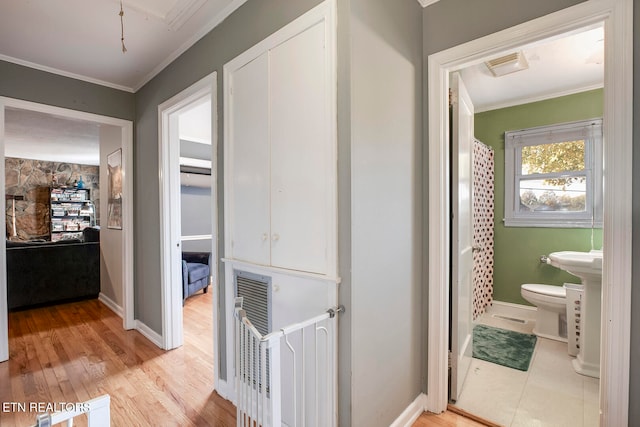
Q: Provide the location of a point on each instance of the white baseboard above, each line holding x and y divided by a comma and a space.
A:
413, 411
508, 309
111, 304
149, 333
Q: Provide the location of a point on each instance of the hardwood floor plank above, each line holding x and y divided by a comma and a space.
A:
74, 352
448, 419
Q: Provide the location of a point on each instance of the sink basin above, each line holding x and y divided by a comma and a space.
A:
580, 264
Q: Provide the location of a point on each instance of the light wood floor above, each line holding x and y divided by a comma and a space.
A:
78, 351
451, 418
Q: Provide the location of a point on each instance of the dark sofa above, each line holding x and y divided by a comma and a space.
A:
41, 273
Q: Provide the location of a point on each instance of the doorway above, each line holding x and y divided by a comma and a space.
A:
618, 125
551, 216
117, 131
169, 114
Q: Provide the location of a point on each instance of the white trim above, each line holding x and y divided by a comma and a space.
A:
412, 412
127, 226
213, 23
64, 73
425, 3
111, 304
267, 270
537, 98
508, 309
196, 237
617, 242
169, 182
149, 333
196, 163
618, 107
127, 204
64, 112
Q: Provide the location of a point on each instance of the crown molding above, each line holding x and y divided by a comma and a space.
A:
63, 73
231, 7
425, 3
542, 97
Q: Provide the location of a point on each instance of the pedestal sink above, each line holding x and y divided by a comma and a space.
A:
588, 267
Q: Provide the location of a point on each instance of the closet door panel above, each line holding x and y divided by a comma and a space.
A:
249, 199
299, 152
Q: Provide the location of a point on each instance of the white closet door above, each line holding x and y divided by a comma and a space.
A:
299, 152
249, 199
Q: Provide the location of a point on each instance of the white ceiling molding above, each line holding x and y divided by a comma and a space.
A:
182, 11
425, 3
542, 97
173, 13
224, 13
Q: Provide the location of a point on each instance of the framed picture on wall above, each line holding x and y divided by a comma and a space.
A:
114, 177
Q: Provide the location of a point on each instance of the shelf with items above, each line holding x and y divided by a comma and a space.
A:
71, 212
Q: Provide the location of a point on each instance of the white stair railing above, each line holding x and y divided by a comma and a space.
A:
288, 377
98, 414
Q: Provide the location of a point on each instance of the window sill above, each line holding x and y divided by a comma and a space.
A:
550, 223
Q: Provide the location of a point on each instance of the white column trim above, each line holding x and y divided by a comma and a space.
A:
169, 183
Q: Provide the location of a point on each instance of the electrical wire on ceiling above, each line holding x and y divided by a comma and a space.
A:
124, 49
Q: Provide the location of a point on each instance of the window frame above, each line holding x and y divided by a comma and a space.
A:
588, 130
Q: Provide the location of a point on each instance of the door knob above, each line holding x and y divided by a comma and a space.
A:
275, 237
265, 236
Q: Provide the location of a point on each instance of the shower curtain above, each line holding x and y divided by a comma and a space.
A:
483, 189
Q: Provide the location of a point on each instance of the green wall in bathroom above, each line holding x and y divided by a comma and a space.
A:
518, 249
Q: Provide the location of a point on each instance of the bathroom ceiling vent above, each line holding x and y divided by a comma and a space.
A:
507, 64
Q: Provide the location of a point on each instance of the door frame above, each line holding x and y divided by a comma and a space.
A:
169, 181
126, 127
618, 125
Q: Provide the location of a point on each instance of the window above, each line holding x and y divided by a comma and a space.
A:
553, 176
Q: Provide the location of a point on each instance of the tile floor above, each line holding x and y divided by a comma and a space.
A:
549, 394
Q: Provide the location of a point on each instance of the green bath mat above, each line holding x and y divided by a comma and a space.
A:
503, 347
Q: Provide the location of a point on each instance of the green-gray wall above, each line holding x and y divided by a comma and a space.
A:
386, 212
33, 85
517, 250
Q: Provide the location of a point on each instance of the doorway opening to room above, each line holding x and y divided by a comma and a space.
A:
188, 215
56, 181
534, 158
617, 125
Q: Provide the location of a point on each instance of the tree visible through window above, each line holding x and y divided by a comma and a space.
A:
558, 193
552, 175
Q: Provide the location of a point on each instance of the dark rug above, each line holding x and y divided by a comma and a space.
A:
503, 347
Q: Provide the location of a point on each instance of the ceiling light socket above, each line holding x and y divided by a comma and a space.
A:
507, 64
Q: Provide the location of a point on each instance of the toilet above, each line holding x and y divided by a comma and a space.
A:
551, 303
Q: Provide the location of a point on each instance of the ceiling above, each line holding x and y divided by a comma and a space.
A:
81, 38
559, 66
42, 136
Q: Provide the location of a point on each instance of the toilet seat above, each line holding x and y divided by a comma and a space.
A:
545, 290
